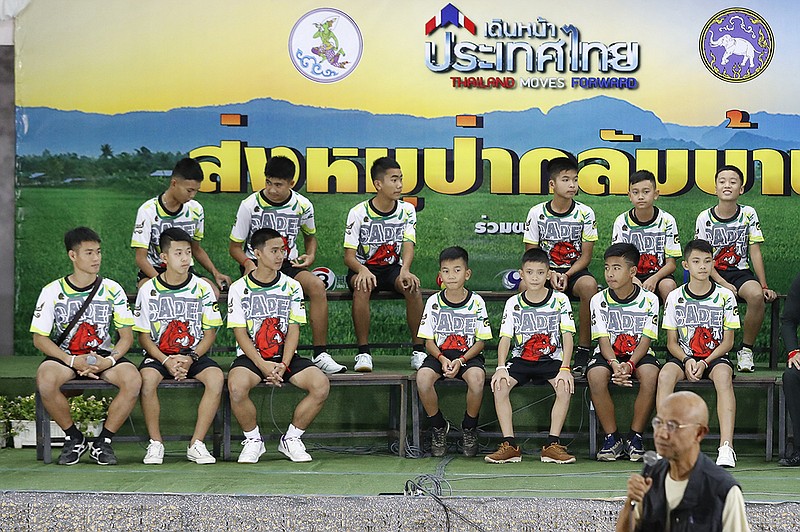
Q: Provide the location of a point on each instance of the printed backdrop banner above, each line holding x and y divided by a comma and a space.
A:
471, 97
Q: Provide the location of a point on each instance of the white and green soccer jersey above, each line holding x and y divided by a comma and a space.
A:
455, 326
175, 316
730, 238
700, 320
290, 218
536, 328
153, 218
60, 300
560, 235
624, 322
266, 311
378, 236
656, 239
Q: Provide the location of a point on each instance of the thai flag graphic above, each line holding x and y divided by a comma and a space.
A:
450, 15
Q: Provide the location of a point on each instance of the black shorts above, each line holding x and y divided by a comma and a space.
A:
452, 354
286, 268
539, 372
645, 276
122, 360
572, 279
385, 276
711, 365
204, 362
599, 361
296, 365
160, 269
737, 277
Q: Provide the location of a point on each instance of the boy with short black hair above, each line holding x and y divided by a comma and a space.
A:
734, 232
538, 321
566, 230
653, 232
455, 326
700, 318
82, 307
266, 311
624, 323
279, 207
379, 245
177, 317
175, 207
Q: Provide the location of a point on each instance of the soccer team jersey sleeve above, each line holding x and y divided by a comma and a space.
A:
507, 324
531, 234
589, 233
567, 322
142, 227
754, 234
200, 220
599, 326
211, 316
484, 327
307, 222
428, 322
297, 310
43, 316
672, 246
241, 226
236, 317
353, 227
410, 229
123, 317
141, 309
616, 233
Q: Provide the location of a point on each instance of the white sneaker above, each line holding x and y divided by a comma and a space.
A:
252, 451
417, 358
327, 364
726, 456
155, 453
363, 363
744, 360
294, 449
198, 453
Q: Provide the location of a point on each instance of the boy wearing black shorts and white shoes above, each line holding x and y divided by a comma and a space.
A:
266, 310
539, 323
177, 317
700, 318
83, 348
279, 207
455, 326
175, 207
624, 323
653, 231
566, 230
734, 232
379, 244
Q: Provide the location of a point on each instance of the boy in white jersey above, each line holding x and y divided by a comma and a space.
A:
653, 232
279, 207
177, 317
538, 321
266, 310
566, 230
455, 326
624, 323
378, 251
700, 318
175, 207
84, 350
734, 233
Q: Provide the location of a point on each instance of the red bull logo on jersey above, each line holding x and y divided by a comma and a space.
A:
727, 258
454, 342
175, 337
269, 338
703, 342
538, 345
648, 263
385, 254
624, 345
564, 254
85, 339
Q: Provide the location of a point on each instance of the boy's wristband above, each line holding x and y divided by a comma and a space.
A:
501, 367
631, 364
463, 360
113, 360
72, 361
564, 368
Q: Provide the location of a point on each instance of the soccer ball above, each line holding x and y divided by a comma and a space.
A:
439, 281
511, 279
327, 277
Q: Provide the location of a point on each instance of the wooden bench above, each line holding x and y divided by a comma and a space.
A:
398, 408
43, 438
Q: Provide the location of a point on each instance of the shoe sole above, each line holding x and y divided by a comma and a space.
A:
507, 460
202, 461
727, 466
251, 461
153, 462
548, 460
363, 370
745, 370
342, 369
607, 458
284, 453
636, 458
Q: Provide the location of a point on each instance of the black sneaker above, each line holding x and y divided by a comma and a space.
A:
582, 356
469, 441
102, 453
439, 439
790, 461
72, 451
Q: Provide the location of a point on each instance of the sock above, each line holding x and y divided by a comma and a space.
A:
254, 434
633, 433
318, 350
418, 347
73, 433
617, 436
747, 346
294, 432
105, 434
437, 420
511, 440
553, 439
364, 349
469, 422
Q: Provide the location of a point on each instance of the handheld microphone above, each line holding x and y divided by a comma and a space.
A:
650, 460
91, 360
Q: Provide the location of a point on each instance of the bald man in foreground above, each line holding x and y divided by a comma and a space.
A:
685, 490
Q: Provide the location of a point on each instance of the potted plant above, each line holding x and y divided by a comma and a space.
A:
88, 414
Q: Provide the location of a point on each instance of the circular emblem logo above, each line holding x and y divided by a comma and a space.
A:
736, 45
325, 45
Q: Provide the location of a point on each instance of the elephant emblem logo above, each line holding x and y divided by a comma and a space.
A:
736, 45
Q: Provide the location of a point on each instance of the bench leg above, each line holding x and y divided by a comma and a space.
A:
781, 423
592, 431
403, 418
44, 448
774, 333
770, 415
416, 429
226, 424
